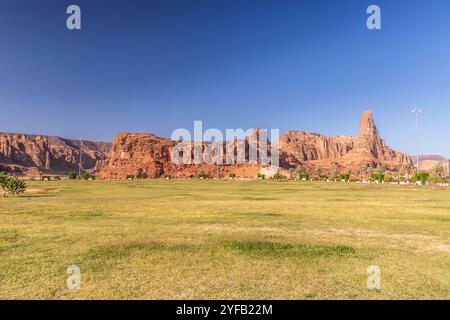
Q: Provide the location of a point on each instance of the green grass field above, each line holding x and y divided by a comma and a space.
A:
224, 240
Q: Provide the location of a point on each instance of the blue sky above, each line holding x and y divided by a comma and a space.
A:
154, 66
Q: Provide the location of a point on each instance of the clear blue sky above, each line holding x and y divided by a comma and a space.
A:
154, 66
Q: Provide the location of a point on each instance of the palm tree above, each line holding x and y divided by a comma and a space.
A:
337, 172
408, 168
319, 172
362, 171
308, 173
292, 171
438, 171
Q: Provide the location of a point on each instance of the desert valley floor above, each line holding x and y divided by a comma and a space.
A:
196, 239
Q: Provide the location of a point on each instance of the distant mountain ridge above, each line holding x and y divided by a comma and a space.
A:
34, 154
430, 157
429, 162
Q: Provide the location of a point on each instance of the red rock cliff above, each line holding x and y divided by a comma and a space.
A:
132, 154
33, 154
346, 153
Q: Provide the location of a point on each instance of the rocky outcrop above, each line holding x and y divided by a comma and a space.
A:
343, 153
35, 154
134, 154
144, 154
138, 153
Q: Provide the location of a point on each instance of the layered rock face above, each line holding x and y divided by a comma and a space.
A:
298, 147
341, 152
133, 154
34, 154
139, 153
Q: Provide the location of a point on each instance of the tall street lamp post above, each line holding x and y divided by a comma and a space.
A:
417, 111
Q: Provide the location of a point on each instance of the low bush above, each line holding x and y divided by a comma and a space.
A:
422, 177
202, 175
378, 176
279, 176
72, 176
11, 184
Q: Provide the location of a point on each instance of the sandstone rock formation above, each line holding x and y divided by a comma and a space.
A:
343, 153
151, 156
134, 154
34, 154
140, 154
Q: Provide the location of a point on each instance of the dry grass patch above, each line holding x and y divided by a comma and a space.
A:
224, 240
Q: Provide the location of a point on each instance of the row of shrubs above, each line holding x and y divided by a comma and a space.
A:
70, 176
422, 177
380, 177
84, 176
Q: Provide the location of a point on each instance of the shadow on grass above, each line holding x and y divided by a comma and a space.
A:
287, 250
102, 257
82, 216
38, 195
10, 235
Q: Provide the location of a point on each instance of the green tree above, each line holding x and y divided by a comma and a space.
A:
279, 176
422, 177
438, 173
85, 176
378, 176
308, 173
72, 175
345, 177
292, 173
202, 175
12, 184
362, 172
336, 173
141, 174
408, 168
319, 173
3, 177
